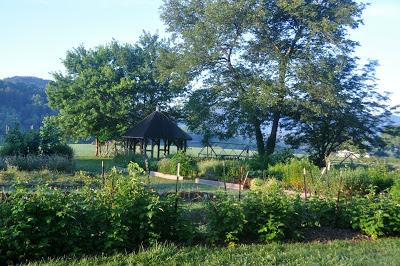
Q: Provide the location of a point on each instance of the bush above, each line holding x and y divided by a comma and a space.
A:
226, 220
63, 150
271, 216
3, 165
121, 217
213, 169
47, 141
292, 173
375, 215
124, 159
170, 165
395, 190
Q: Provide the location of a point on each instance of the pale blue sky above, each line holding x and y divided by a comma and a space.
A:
35, 34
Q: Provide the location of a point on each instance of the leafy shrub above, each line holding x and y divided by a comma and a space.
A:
124, 159
375, 215
45, 142
63, 150
262, 162
292, 173
170, 165
166, 166
226, 219
122, 216
34, 162
213, 169
395, 190
3, 165
270, 215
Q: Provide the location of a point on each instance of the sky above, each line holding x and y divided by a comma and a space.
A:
35, 34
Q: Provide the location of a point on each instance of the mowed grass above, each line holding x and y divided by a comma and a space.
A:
85, 159
379, 252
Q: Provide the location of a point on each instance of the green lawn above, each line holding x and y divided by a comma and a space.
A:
380, 252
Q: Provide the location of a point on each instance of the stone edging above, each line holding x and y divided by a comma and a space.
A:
217, 183
166, 176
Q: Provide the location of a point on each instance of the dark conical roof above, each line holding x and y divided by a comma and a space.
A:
157, 126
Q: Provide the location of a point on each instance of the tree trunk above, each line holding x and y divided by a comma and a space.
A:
259, 137
97, 146
271, 141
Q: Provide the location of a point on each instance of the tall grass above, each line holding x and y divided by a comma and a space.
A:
35, 162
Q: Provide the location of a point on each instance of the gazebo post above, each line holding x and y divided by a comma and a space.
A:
145, 147
152, 149
134, 145
158, 148
184, 145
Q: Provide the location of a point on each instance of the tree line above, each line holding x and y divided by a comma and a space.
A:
232, 67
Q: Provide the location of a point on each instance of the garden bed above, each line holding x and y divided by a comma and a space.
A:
165, 176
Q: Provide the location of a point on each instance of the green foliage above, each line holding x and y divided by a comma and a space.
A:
44, 142
270, 215
334, 113
122, 216
111, 87
17, 143
35, 162
22, 102
170, 165
262, 162
391, 138
292, 173
123, 160
244, 51
375, 215
214, 169
226, 219
395, 190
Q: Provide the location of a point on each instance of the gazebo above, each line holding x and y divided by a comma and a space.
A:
153, 130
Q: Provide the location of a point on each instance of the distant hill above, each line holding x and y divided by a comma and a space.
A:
29, 81
395, 119
23, 102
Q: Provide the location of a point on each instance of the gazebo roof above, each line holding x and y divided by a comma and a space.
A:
157, 126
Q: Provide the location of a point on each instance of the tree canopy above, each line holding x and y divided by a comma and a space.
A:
111, 87
340, 105
245, 55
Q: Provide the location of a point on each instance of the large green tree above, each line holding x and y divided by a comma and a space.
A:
391, 138
109, 88
243, 54
340, 106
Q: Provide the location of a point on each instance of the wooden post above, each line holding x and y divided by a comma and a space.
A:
146, 166
152, 149
305, 183
338, 196
158, 149
102, 173
165, 147
176, 187
240, 181
224, 174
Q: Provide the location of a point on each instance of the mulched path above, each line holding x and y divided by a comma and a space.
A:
327, 234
